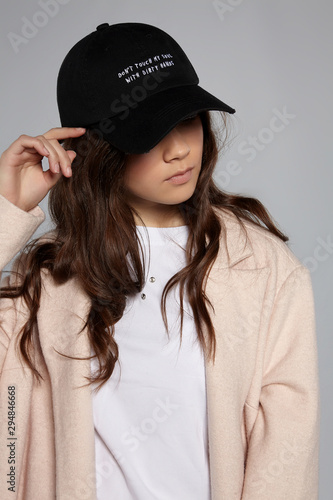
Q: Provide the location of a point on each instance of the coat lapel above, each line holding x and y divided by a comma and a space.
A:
237, 290
61, 330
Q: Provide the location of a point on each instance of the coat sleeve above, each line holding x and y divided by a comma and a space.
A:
16, 228
282, 455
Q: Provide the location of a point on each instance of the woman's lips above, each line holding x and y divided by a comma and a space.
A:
181, 178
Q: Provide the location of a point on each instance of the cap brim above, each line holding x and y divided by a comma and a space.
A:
141, 125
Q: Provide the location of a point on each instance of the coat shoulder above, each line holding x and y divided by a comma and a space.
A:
248, 244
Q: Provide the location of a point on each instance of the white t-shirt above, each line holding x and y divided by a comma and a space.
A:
150, 416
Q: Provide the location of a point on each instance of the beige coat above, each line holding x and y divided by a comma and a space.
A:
262, 391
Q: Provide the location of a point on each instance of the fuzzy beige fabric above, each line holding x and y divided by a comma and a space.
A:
262, 390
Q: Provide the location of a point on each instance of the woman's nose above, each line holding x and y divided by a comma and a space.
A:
175, 146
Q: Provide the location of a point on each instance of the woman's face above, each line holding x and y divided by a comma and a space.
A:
168, 173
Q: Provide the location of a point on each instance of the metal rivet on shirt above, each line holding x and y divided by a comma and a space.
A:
152, 279
143, 296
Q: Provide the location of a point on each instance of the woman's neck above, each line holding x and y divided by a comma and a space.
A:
157, 215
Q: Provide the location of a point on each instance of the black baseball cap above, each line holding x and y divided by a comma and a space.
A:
132, 83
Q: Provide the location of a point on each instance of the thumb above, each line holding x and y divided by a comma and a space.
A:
52, 178
72, 155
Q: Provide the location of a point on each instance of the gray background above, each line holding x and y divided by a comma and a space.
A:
258, 56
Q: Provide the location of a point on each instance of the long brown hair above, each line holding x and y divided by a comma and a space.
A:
95, 235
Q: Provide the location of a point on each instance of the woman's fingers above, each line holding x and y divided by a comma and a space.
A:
61, 160
29, 144
22, 179
48, 145
52, 177
61, 133
45, 145
72, 156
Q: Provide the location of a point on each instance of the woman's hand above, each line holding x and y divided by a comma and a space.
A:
22, 179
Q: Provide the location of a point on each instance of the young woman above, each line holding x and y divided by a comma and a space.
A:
159, 343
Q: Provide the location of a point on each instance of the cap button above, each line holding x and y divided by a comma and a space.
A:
102, 26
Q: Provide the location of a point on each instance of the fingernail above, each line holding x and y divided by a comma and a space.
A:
57, 168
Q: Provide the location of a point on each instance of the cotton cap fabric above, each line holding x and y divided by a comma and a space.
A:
132, 83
